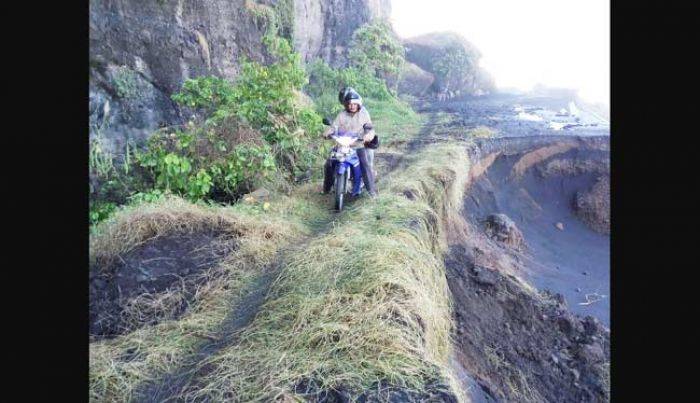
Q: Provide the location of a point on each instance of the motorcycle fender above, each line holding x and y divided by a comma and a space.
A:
341, 168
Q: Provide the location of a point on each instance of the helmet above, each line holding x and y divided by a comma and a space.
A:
348, 95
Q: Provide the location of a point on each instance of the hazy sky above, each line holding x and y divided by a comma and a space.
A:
561, 43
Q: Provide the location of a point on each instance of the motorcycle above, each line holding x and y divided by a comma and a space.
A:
346, 165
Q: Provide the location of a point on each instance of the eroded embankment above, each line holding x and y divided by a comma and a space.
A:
554, 193
523, 232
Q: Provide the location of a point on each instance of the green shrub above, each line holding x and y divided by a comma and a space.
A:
205, 94
146, 197
453, 64
245, 132
375, 49
483, 132
325, 82
125, 83
111, 179
99, 211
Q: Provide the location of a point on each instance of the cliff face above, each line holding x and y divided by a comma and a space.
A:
141, 51
323, 28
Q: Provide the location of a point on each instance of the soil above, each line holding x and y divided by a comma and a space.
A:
381, 392
593, 206
521, 346
513, 341
155, 281
538, 190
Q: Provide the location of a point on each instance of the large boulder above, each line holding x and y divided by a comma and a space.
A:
501, 228
414, 80
453, 61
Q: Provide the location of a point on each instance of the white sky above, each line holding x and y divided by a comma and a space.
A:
559, 43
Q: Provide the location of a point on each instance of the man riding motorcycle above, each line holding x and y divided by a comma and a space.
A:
354, 119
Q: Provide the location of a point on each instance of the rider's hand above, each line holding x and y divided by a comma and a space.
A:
368, 137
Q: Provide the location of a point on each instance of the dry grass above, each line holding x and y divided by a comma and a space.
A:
364, 303
483, 132
119, 365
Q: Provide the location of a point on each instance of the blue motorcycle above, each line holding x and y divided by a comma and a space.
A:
346, 165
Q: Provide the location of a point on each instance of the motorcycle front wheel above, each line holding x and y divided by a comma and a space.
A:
340, 181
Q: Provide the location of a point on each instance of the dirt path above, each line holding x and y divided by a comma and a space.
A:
171, 386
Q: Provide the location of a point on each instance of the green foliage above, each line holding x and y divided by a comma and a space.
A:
100, 163
325, 82
375, 50
247, 131
483, 132
284, 11
323, 78
453, 64
247, 166
112, 178
394, 120
146, 197
205, 94
245, 134
278, 18
100, 211
125, 83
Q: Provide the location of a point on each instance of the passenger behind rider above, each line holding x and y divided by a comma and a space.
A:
354, 119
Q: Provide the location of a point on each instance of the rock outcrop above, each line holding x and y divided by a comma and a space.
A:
414, 80
323, 28
593, 206
501, 228
453, 61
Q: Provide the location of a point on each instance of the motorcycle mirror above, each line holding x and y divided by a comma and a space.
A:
326, 122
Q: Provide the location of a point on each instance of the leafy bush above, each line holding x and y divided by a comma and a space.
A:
325, 82
125, 83
100, 211
244, 132
111, 179
205, 95
375, 49
453, 64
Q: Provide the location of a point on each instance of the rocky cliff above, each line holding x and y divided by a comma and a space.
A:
452, 60
323, 28
141, 51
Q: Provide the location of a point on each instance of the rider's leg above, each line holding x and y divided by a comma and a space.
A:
367, 174
356, 180
370, 159
328, 175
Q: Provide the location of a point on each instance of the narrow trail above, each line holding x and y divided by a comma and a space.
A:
170, 387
